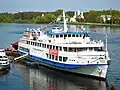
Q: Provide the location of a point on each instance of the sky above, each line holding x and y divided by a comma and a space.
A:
52, 5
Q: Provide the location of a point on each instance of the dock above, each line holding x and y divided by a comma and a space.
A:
14, 56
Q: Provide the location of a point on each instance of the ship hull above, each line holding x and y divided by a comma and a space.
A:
93, 71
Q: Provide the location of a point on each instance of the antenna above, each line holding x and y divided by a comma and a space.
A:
106, 41
65, 25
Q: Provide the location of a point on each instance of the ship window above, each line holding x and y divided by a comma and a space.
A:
49, 40
69, 35
64, 59
71, 50
77, 35
60, 58
50, 56
65, 35
56, 47
80, 35
40, 44
53, 57
45, 45
90, 48
79, 49
73, 35
47, 55
60, 48
35, 44
50, 46
57, 36
31, 43
61, 35
56, 58
85, 49
4, 56
27, 42
75, 49
100, 49
65, 48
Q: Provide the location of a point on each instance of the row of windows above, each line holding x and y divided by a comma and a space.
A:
71, 35
23, 49
45, 45
3, 56
68, 49
57, 58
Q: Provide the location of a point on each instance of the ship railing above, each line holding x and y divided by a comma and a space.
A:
92, 60
91, 56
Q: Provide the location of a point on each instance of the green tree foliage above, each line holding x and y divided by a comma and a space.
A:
6, 17
45, 19
58, 12
36, 17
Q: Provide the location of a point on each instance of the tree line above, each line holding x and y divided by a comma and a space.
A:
46, 17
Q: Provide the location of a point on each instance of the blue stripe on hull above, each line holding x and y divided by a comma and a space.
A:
72, 66
60, 65
57, 64
35, 58
49, 62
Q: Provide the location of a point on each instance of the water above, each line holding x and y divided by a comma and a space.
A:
22, 77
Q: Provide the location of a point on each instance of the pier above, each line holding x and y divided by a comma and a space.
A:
14, 56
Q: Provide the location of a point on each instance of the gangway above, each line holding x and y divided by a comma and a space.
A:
21, 57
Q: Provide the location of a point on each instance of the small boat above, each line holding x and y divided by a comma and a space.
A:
4, 61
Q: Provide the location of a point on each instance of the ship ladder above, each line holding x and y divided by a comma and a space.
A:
18, 58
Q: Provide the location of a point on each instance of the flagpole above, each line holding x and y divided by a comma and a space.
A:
106, 41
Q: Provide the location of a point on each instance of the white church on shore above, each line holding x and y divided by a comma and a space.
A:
77, 14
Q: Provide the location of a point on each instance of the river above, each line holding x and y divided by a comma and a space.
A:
22, 77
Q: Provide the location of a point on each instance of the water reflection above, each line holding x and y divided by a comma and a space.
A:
47, 79
3, 72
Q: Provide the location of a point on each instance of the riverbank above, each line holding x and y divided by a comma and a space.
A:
96, 24
81, 23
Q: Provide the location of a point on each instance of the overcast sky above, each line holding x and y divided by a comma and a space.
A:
52, 5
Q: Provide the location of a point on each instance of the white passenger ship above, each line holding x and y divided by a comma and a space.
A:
4, 61
74, 52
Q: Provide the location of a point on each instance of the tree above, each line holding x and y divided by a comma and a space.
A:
45, 19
